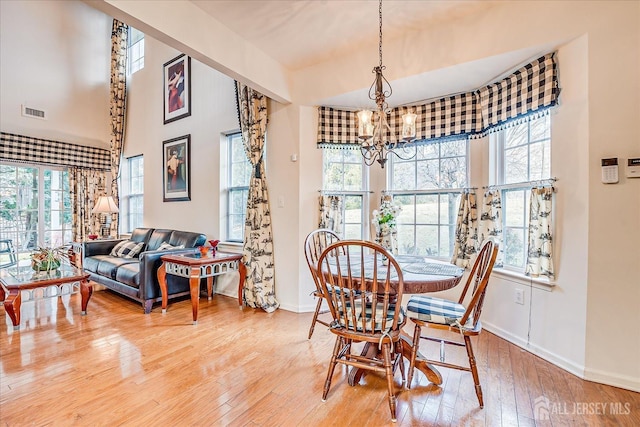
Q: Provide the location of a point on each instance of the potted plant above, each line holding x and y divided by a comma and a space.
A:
47, 259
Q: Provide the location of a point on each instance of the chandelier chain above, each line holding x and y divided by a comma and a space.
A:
380, 43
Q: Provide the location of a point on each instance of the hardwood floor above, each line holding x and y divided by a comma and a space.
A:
117, 366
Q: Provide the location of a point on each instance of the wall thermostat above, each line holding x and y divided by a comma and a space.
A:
610, 170
633, 168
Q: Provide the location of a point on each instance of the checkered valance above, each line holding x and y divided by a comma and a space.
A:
532, 88
19, 148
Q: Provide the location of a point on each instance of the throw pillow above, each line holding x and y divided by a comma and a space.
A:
165, 247
127, 249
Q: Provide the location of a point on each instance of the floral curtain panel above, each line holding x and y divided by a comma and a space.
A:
490, 224
466, 243
259, 287
118, 103
540, 255
85, 186
331, 213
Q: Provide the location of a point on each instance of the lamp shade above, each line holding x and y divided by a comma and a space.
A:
105, 204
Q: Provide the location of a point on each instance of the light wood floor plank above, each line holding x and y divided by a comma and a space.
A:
117, 366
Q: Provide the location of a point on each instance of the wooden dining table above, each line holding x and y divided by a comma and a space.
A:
420, 275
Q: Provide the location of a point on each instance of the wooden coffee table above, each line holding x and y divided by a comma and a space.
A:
66, 280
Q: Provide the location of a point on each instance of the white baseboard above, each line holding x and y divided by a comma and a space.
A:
559, 361
287, 307
608, 378
622, 381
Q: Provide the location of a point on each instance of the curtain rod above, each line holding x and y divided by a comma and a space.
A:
340, 193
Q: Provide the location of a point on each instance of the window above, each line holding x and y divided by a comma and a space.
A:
427, 187
131, 199
135, 50
35, 207
344, 173
239, 169
523, 155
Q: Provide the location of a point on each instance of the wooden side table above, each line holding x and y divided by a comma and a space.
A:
195, 267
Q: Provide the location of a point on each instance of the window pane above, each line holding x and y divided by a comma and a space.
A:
428, 175
353, 209
453, 172
427, 240
427, 209
404, 176
407, 214
514, 247
352, 177
540, 128
428, 151
514, 208
343, 170
453, 148
516, 135
515, 165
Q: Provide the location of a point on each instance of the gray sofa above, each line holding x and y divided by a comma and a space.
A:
137, 277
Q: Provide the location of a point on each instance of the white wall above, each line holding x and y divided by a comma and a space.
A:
55, 57
213, 113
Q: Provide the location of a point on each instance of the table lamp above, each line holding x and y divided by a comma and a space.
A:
105, 205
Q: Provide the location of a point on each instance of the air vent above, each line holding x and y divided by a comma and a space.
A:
33, 113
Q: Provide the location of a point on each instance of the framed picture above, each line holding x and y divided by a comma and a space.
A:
176, 156
177, 88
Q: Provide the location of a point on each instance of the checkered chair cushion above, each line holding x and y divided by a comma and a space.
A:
368, 311
436, 310
127, 249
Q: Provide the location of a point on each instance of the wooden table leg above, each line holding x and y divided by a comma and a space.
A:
370, 351
243, 274
86, 290
209, 288
162, 281
194, 288
12, 307
432, 374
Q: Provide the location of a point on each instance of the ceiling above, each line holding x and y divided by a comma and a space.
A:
302, 33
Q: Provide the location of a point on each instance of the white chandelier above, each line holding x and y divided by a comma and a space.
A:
372, 125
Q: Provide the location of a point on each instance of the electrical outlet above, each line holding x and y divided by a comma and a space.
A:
519, 296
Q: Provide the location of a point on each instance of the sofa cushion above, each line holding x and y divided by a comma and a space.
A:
129, 274
91, 263
127, 249
188, 239
157, 238
109, 265
141, 235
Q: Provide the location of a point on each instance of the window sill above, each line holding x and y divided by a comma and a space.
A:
521, 279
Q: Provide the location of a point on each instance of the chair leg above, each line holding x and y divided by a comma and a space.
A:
386, 354
332, 367
315, 317
417, 331
400, 360
474, 369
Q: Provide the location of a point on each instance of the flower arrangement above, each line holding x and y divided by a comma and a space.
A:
384, 220
47, 259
